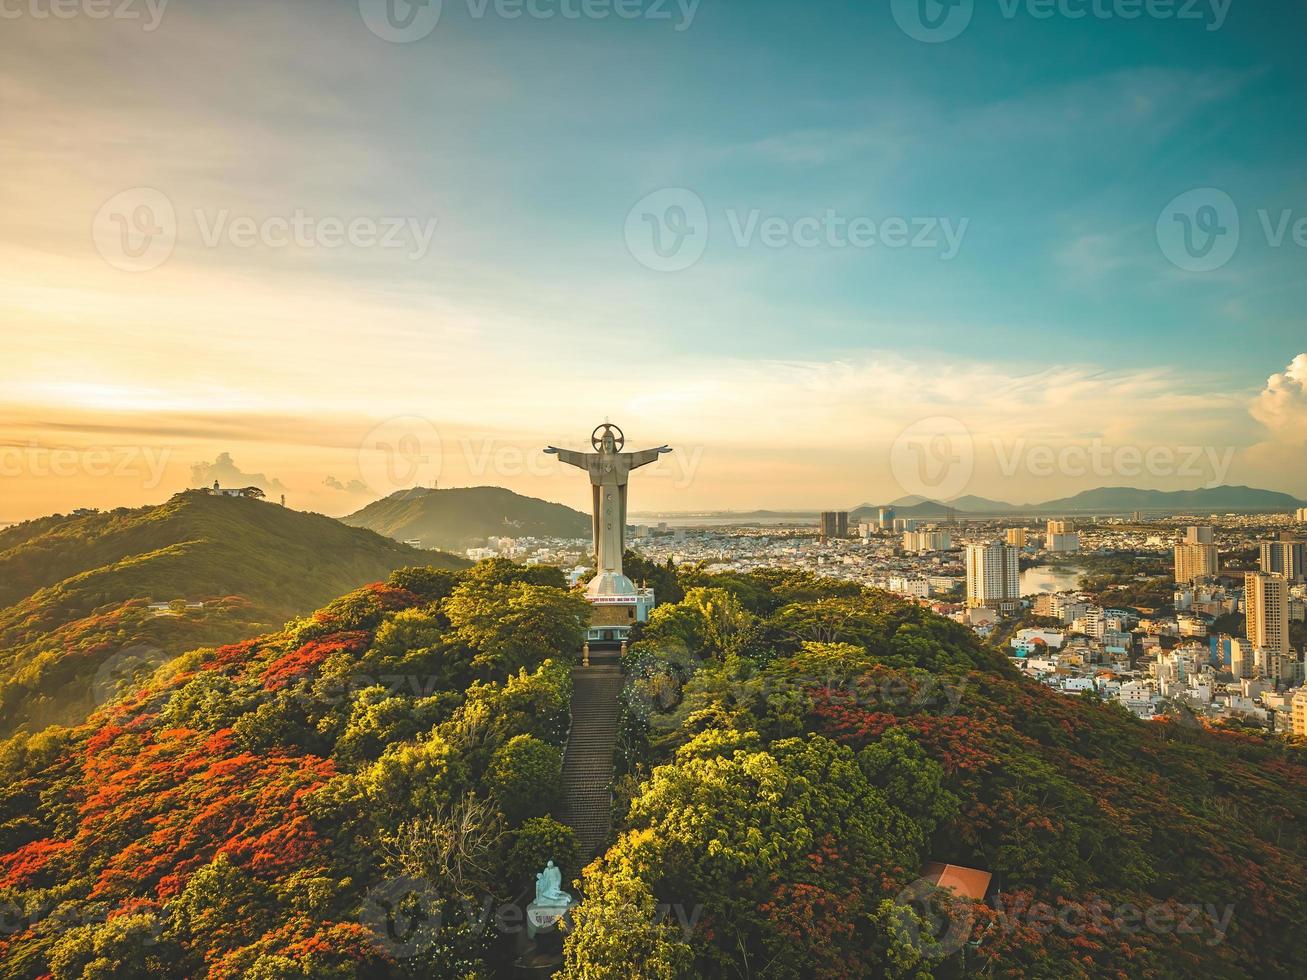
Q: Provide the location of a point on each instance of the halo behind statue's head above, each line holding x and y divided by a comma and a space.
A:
597, 437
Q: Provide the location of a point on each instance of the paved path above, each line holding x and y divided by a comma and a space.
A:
588, 762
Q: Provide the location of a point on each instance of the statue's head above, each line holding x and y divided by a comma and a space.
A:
609, 443
549, 864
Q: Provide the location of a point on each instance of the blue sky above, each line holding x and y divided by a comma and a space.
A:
1051, 146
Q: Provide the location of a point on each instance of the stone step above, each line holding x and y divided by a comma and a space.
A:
588, 760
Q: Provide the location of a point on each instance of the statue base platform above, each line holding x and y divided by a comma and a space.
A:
612, 616
545, 918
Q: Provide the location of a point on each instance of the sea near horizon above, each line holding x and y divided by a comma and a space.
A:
1041, 579
726, 519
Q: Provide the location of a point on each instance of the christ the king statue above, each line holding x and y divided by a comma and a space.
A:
609, 469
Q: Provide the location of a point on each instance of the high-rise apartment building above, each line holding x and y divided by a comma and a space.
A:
1266, 603
993, 574
1200, 535
835, 524
925, 541
1016, 537
1062, 537
1195, 560
1287, 557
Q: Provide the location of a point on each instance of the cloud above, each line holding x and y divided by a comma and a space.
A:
1282, 404
354, 486
228, 474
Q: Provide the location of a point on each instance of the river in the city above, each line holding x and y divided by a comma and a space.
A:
1050, 578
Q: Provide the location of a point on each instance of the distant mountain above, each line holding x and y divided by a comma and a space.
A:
465, 517
1104, 500
75, 590
1204, 501
982, 505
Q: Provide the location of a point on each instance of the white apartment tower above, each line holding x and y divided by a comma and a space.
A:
993, 574
1266, 602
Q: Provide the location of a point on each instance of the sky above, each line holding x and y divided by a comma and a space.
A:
831, 253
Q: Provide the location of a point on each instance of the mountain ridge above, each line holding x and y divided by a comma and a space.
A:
463, 517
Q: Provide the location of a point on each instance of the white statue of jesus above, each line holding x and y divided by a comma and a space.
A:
609, 470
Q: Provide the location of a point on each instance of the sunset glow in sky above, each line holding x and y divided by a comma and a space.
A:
444, 232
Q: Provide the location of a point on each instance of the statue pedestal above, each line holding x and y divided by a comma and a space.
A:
545, 918
612, 616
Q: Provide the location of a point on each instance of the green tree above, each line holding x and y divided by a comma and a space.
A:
537, 841
526, 777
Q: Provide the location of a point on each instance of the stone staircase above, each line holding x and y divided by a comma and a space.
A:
588, 762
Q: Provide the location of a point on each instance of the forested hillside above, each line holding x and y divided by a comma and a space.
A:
369, 791
75, 590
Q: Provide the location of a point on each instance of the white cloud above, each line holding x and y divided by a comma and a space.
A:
1282, 404
225, 471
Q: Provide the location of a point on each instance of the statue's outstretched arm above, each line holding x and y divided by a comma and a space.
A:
646, 456
570, 457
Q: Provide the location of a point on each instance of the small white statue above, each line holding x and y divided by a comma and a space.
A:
548, 890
